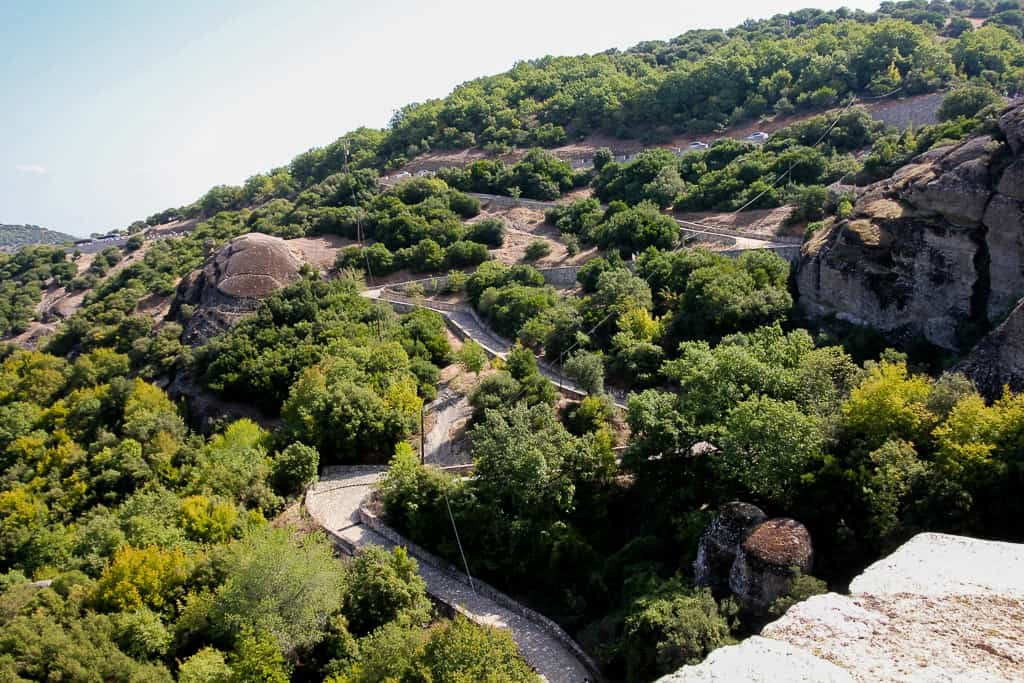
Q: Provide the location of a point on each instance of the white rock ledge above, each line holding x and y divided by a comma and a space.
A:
940, 608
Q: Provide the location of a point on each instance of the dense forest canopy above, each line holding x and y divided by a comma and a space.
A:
138, 543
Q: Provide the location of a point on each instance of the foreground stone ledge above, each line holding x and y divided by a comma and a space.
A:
940, 608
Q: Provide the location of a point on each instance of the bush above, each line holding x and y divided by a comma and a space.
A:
537, 249
587, 369
464, 253
205, 666
572, 243
464, 205
666, 632
592, 414
384, 586
967, 102
490, 231
809, 203
294, 468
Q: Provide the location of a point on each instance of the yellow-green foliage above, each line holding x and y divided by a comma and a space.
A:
142, 577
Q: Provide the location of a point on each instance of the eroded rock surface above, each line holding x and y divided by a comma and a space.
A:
721, 542
998, 359
936, 251
763, 570
231, 284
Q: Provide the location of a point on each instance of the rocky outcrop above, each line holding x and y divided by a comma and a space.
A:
936, 251
764, 567
752, 557
998, 360
231, 284
721, 542
941, 608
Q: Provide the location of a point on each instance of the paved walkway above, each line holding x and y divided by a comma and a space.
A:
449, 411
334, 503
478, 331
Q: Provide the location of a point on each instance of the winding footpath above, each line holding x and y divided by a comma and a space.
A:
334, 503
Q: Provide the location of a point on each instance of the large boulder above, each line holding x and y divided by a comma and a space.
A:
721, 542
763, 570
936, 251
233, 281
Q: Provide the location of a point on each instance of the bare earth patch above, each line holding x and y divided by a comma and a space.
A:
322, 250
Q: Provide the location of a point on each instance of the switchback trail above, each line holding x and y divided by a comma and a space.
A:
334, 503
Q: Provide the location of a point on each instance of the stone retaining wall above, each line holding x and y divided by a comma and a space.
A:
790, 254
375, 523
562, 277
496, 200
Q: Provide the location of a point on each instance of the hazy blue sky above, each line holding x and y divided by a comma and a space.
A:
115, 110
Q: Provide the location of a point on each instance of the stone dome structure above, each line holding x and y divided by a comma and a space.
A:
232, 282
763, 570
721, 542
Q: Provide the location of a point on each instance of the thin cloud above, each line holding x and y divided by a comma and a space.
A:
38, 169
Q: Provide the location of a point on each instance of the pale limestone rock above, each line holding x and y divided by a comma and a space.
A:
760, 660
938, 565
940, 608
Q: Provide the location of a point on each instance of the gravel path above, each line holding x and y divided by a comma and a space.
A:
334, 503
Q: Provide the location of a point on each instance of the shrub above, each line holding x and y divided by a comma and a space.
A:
967, 102
465, 253
205, 666
294, 468
490, 231
537, 249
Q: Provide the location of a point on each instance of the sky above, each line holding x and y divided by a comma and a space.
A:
112, 111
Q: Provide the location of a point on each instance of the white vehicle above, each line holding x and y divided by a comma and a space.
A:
759, 137
699, 144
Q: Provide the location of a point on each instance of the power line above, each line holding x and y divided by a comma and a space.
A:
820, 139
854, 100
611, 313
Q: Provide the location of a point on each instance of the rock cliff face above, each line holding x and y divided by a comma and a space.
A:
231, 284
936, 251
998, 360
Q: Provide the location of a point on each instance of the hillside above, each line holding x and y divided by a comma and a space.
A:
13, 237
573, 362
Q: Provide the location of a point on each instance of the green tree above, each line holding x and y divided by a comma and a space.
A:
295, 467
463, 652
472, 357
967, 101
767, 445
279, 588
384, 587
206, 666
587, 369
257, 659
663, 633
